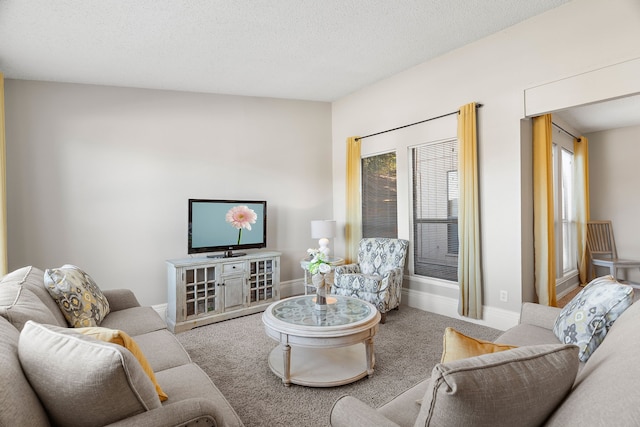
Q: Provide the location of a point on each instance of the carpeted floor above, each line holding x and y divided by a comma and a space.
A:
234, 354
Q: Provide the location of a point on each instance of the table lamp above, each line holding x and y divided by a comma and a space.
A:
323, 230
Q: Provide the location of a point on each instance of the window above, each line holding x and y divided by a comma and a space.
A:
435, 210
565, 219
379, 196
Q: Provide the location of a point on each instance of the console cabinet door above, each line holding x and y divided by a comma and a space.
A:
201, 292
233, 295
263, 281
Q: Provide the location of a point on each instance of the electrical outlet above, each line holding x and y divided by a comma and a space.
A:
504, 296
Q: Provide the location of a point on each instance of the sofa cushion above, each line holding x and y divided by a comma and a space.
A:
456, 345
191, 382
135, 321
589, 315
404, 408
522, 387
526, 334
82, 381
605, 392
122, 338
24, 297
80, 299
163, 350
18, 305
19, 406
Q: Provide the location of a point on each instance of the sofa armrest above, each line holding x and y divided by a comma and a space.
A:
185, 412
120, 299
348, 411
539, 315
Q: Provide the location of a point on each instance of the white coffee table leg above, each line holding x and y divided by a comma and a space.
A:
370, 357
286, 358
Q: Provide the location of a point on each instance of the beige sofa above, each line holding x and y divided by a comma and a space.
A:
605, 391
192, 397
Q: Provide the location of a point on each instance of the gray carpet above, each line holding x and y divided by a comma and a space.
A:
234, 354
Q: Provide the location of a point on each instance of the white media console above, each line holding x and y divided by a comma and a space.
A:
206, 290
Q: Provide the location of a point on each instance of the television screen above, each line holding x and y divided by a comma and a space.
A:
226, 225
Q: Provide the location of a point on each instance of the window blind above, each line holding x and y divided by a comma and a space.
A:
435, 210
379, 196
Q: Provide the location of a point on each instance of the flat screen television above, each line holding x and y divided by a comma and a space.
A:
227, 226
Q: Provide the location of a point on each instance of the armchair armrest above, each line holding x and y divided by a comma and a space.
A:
539, 315
390, 277
348, 411
120, 299
184, 412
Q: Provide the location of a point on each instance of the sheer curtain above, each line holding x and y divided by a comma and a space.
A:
353, 227
3, 186
469, 265
543, 218
583, 214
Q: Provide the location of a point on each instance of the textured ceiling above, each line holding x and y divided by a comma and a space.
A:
299, 49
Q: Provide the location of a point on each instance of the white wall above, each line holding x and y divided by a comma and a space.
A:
613, 188
580, 36
100, 176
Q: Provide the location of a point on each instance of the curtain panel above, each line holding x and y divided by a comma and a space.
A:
582, 204
543, 216
353, 226
469, 263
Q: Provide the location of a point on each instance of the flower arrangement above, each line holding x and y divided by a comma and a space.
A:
241, 217
319, 263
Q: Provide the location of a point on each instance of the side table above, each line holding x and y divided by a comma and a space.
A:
304, 263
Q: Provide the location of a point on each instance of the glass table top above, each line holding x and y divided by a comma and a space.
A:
340, 311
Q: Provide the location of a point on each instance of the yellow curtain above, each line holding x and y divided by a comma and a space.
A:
469, 267
3, 185
583, 214
353, 228
543, 217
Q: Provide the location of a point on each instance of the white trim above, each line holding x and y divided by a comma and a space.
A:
291, 288
493, 317
161, 309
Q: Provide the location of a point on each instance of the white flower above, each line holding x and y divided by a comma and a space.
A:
324, 268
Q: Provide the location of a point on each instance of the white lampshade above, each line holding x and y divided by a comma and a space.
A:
323, 230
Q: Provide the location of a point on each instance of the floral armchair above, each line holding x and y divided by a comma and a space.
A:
377, 277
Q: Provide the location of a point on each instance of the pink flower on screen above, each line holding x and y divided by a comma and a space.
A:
241, 217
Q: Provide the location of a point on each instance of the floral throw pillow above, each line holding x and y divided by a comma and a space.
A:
587, 318
81, 301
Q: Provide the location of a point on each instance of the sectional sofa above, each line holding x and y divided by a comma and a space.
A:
541, 382
53, 375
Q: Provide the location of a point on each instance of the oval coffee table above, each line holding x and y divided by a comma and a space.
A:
321, 348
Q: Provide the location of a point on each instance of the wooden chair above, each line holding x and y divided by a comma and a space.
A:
602, 249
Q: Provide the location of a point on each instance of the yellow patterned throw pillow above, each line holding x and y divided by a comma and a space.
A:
81, 301
115, 336
456, 346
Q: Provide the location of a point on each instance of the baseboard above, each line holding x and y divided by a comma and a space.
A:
492, 317
291, 288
